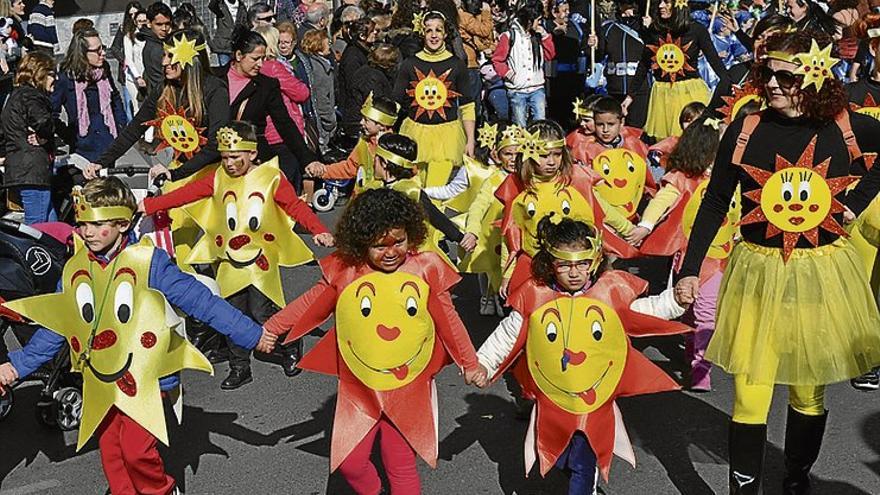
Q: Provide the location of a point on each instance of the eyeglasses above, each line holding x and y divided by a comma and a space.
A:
96, 50
785, 78
269, 18
580, 266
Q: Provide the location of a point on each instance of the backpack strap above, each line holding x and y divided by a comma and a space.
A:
749, 125
845, 125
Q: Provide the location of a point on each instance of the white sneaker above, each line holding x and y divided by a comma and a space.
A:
487, 307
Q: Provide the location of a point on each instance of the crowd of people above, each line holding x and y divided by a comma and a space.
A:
723, 151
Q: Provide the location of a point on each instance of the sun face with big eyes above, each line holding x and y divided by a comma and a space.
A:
797, 199
669, 57
722, 244
547, 198
576, 352
431, 93
624, 178
384, 331
178, 132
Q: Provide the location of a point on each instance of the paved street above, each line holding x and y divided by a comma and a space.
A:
272, 436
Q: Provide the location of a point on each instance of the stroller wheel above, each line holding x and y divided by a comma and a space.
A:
68, 408
323, 200
6, 402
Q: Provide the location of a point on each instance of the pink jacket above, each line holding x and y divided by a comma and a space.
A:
293, 91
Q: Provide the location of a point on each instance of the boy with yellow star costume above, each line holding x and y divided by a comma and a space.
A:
247, 212
112, 311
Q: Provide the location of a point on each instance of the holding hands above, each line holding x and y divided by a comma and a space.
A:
267, 342
8, 376
326, 239
686, 291
478, 376
637, 235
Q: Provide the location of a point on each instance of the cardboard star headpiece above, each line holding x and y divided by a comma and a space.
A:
86, 212
373, 113
229, 140
593, 254
487, 135
580, 110
815, 66
681, 4
532, 146
511, 136
184, 50
418, 22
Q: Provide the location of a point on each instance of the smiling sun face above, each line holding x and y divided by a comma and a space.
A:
576, 351
547, 198
431, 93
669, 57
624, 173
384, 331
797, 199
178, 132
722, 244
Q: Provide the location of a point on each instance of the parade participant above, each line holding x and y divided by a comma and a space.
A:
395, 329
248, 223
548, 183
433, 88
776, 323
482, 238
189, 91
378, 116
567, 340
659, 152
668, 220
673, 44
112, 302
618, 156
585, 133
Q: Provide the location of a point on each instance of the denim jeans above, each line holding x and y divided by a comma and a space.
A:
525, 105
37, 204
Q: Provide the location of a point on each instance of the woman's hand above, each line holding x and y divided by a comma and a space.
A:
636, 235
505, 286
624, 105
646, 21
468, 242
91, 171
686, 291
326, 239
316, 169
157, 170
592, 41
470, 148
478, 376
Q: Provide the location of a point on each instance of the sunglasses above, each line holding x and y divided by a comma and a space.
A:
785, 78
269, 18
96, 50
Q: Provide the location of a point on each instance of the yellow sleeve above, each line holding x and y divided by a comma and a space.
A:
505, 255
614, 218
478, 208
468, 112
659, 206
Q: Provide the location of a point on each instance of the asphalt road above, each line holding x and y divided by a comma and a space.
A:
272, 436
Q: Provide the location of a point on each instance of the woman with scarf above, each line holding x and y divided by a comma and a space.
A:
86, 91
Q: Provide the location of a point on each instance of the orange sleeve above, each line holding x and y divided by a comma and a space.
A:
346, 169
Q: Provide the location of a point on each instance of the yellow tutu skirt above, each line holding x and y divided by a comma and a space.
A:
667, 101
441, 148
811, 321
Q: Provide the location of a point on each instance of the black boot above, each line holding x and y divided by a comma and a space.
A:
237, 377
290, 356
803, 439
746, 446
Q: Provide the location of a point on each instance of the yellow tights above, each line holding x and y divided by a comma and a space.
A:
752, 403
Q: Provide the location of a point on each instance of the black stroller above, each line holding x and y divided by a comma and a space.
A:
31, 263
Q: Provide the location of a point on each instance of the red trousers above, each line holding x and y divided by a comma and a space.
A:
398, 459
130, 459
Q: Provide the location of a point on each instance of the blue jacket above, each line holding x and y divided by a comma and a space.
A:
98, 137
41, 27
182, 291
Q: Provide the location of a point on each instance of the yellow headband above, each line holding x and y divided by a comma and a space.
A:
511, 136
593, 254
394, 158
681, 4
228, 140
373, 113
555, 144
84, 212
785, 57
184, 50
814, 65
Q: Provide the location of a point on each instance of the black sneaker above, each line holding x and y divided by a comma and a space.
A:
867, 382
237, 378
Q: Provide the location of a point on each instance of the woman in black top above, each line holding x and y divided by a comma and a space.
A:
795, 306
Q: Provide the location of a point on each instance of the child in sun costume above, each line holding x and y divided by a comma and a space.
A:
247, 212
672, 48
433, 86
482, 238
568, 342
395, 329
669, 219
112, 310
780, 318
578, 139
549, 184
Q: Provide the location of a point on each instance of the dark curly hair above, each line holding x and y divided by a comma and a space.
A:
371, 215
567, 232
696, 149
819, 106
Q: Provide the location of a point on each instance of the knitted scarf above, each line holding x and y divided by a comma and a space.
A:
104, 98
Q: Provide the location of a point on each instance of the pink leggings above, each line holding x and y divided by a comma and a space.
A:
398, 459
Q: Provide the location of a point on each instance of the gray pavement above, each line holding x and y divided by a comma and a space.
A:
272, 436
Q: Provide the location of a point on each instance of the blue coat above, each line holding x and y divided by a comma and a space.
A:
181, 290
98, 137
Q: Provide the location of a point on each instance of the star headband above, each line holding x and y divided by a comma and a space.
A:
418, 22
814, 65
229, 140
594, 254
713, 123
580, 110
511, 136
487, 134
85, 212
373, 113
184, 50
681, 4
531, 146
394, 158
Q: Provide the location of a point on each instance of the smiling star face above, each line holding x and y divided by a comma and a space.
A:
796, 199
670, 58
180, 134
384, 331
431, 93
547, 198
120, 336
624, 173
576, 352
722, 244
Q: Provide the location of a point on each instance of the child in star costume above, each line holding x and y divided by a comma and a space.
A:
585, 133
395, 329
659, 152
780, 318
247, 214
667, 221
378, 117
567, 340
113, 302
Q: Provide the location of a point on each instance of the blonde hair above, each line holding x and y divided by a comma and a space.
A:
271, 35
313, 41
109, 191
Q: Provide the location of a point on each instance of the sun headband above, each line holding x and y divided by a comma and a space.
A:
184, 50
394, 158
581, 111
229, 140
373, 113
531, 146
418, 20
85, 212
814, 65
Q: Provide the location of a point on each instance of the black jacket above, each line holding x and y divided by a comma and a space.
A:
154, 51
28, 108
366, 79
353, 58
225, 24
620, 46
216, 102
261, 98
